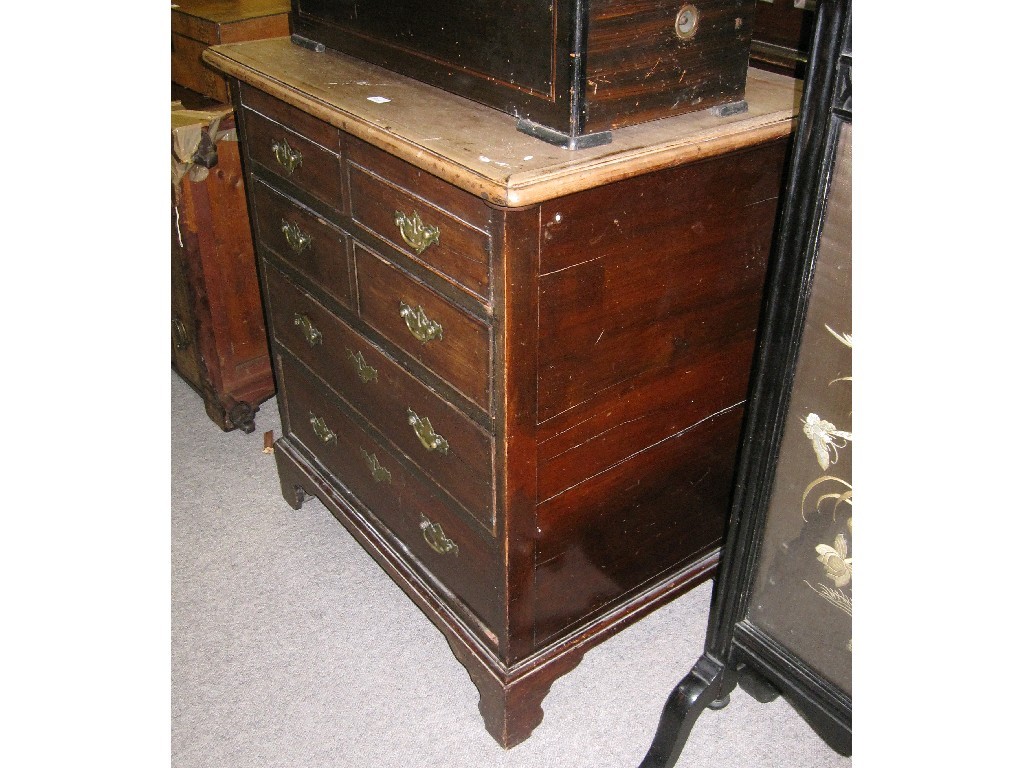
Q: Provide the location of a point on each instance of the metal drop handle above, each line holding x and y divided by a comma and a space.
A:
364, 370
310, 331
322, 430
179, 334
426, 434
417, 235
419, 325
434, 535
286, 157
297, 240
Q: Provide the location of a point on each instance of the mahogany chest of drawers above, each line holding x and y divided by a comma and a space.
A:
570, 70
515, 373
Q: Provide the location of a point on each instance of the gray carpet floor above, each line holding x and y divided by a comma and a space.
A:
291, 647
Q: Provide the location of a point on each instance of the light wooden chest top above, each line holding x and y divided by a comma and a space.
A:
478, 148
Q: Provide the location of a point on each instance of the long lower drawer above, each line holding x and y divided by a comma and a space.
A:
463, 565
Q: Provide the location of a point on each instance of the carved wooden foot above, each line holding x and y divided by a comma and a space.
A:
511, 712
511, 705
705, 684
229, 414
243, 416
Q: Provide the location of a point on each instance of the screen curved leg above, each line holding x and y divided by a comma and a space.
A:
706, 685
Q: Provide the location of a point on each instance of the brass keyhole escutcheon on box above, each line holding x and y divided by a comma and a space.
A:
686, 22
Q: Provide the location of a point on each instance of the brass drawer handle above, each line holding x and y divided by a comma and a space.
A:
420, 326
322, 430
434, 535
310, 331
380, 473
418, 235
425, 432
179, 334
366, 372
297, 240
286, 157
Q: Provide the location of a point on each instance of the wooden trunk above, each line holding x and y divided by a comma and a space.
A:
198, 24
515, 374
570, 70
218, 336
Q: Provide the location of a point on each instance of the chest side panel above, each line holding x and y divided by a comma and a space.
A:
649, 297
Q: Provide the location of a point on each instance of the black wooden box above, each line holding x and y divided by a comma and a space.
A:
570, 70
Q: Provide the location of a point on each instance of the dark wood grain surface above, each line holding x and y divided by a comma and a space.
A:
638, 68
575, 67
639, 519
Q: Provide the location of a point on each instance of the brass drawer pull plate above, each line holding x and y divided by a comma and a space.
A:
310, 331
425, 432
420, 326
433, 533
179, 334
322, 430
297, 240
366, 372
286, 157
380, 473
417, 235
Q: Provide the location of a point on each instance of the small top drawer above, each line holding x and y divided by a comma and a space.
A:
313, 246
429, 328
304, 154
428, 220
